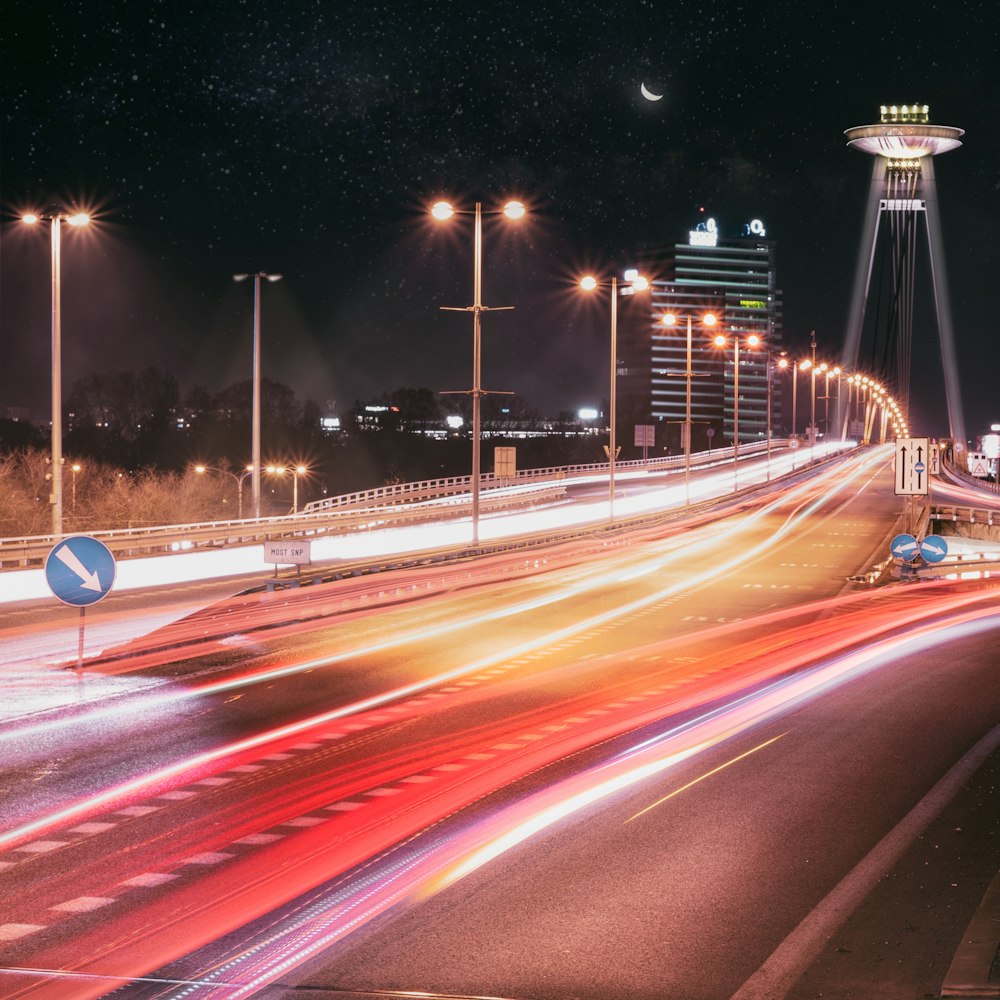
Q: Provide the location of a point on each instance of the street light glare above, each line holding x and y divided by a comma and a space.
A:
240, 277
588, 283
273, 277
639, 283
30, 218
442, 210
709, 319
514, 210
78, 219
669, 319
753, 340
719, 340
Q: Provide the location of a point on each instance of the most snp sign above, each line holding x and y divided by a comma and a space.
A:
913, 467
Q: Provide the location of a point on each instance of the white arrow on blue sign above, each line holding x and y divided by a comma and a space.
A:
904, 547
80, 570
933, 548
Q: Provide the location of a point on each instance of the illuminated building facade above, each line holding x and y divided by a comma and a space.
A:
734, 279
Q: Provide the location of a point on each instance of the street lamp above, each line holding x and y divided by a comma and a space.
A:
443, 211
637, 283
255, 418
238, 476
751, 340
671, 319
55, 220
75, 468
296, 471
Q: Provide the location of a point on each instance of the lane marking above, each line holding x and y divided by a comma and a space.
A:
11, 932
83, 904
715, 770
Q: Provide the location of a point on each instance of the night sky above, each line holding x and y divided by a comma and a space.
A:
309, 139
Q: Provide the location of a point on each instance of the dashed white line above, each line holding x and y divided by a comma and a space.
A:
92, 827
11, 932
306, 821
149, 879
137, 810
83, 904
41, 846
206, 858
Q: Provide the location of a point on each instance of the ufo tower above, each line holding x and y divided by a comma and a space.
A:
902, 195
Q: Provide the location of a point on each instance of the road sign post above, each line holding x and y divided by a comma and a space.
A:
80, 570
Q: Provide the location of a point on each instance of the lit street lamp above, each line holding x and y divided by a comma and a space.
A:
75, 468
637, 283
296, 471
709, 320
238, 476
750, 340
76, 219
255, 419
442, 211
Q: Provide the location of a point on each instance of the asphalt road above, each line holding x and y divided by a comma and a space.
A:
680, 899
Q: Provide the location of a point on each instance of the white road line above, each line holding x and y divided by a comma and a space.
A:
136, 810
206, 858
149, 879
260, 838
83, 904
92, 827
41, 846
11, 932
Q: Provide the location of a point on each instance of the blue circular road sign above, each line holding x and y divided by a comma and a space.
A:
933, 548
80, 570
904, 547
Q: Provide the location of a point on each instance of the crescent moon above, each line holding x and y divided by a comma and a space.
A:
648, 94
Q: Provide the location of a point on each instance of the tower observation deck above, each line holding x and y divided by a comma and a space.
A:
903, 190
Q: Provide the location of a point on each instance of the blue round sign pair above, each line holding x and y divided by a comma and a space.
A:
80, 570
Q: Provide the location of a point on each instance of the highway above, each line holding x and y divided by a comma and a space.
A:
631, 765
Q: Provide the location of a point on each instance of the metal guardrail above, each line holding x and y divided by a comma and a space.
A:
355, 511
965, 478
429, 488
126, 543
965, 515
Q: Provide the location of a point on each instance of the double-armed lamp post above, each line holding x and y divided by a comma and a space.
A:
636, 283
671, 319
56, 219
442, 211
751, 340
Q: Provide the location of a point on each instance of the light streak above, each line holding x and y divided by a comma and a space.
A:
188, 567
679, 549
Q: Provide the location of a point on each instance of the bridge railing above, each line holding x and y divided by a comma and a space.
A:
354, 511
965, 478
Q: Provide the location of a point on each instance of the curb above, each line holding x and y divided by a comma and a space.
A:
975, 970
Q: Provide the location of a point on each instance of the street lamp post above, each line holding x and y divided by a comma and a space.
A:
296, 471
637, 284
442, 211
238, 476
75, 468
751, 340
670, 319
56, 219
255, 417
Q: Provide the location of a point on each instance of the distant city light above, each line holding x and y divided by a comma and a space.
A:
587, 413
454, 421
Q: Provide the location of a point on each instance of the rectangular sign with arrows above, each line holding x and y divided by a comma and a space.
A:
913, 467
